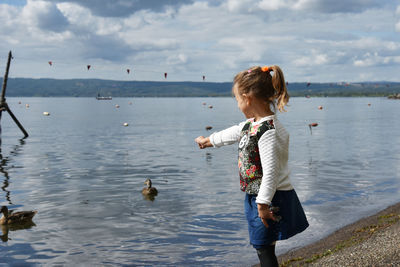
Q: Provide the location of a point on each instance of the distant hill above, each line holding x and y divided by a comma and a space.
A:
92, 87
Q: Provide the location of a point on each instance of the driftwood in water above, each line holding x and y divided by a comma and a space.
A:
3, 103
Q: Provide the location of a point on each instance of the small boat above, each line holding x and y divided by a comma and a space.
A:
98, 97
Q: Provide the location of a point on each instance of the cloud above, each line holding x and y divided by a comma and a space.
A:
397, 26
273, 4
335, 6
7, 16
239, 5
311, 40
313, 59
320, 6
374, 59
44, 15
104, 47
177, 59
124, 8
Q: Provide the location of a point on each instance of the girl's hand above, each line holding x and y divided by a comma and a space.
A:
203, 142
265, 213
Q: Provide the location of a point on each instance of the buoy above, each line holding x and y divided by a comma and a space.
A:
117, 106
126, 124
46, 113
320, 107
314, 124
208, 128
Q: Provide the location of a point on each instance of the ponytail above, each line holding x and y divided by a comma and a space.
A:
278, 82
259, 82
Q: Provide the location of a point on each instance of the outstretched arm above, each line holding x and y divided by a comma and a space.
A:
222, 138
203, 142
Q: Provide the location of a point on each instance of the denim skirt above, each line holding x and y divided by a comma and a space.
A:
292, 219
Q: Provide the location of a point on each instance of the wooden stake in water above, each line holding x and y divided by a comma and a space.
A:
3, 103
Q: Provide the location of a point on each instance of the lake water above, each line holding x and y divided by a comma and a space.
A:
83, 171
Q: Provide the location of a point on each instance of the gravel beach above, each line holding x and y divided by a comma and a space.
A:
371, 241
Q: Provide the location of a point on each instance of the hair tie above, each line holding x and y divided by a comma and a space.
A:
265, 69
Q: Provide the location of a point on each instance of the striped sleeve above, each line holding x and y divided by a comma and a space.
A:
225, 137
268, 148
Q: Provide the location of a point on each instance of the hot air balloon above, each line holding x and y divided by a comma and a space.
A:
51, 63
165, 75
128, 71
88, 67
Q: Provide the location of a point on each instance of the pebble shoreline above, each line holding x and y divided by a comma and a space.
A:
371, 241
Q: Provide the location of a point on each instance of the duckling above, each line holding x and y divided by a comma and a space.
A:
149, 191
10, 217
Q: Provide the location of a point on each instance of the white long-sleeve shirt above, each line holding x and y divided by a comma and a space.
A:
274, 153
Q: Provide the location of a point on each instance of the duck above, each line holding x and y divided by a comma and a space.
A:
10, 217
149, 191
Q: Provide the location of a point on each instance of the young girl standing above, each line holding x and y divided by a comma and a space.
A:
272, 208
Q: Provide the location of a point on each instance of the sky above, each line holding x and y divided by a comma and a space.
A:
311, 40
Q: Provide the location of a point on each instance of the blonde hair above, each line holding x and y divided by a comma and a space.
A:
259, 82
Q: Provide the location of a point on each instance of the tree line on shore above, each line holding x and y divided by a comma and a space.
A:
28, 87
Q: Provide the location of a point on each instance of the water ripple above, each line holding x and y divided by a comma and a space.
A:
85, 177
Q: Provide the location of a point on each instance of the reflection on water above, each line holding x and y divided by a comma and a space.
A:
14, 227
3, 168
208, 157
6, 180
84, 172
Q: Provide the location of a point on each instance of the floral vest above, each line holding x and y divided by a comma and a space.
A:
250, 170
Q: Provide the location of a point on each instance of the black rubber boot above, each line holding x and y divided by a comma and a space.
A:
267, 256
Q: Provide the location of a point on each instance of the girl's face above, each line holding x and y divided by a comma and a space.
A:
243, 102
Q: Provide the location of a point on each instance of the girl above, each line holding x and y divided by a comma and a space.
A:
272, 208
